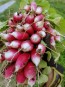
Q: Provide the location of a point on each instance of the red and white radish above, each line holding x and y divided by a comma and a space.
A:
52, 41
38, 10
27, 8
33, 6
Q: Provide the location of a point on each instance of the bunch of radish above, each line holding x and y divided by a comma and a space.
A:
23, 43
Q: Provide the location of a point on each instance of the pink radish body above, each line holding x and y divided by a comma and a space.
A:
52, 41
7, 37
33, 6
38, 26
11, 23
20, 77
35, 57
9, 70
38, 10
1, 58
57, 38
27, 8
19, 28
28, 28
41, 33
17, 17
32, 81
7, 44
38, 18
35, 38
41, 49
26, 46
11, 55
15, 44
20, 35
22, 61
29, 19
30, 70
46, 24
10, 30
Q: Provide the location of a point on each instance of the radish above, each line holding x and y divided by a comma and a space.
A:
35, 57
29, 19
27, 8
10, 30
28, 28
38, 10
26, 46
41, 33
35, 38
11, 55
7, 44
1, 58
11, 23
20, 35
39, 18
47, 24
41, 49
33, 6
30, 70
15, 44
32, 81
9, 70
7, 37
20, 77
19, 28
52, 41
57, 38
22, 61
17, 17
38, 25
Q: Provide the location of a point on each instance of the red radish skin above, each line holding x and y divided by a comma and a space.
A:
20, 77
11, 23
9, 70
26, 46
46, 24
10, 30
38, 10
15, 44
19, 28
30, 70
7, 37
1, 58
38, 26
20, 35
17, 17
39, 18
41, 33
32, 81
52, 41
29, 19
33, 6
35, 38
22, 61
27, 8
11, 55
28, 28
41, 49
35, 57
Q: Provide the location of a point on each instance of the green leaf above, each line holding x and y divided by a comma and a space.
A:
43, 79
2, 24
42, 64
48, 55
47, 70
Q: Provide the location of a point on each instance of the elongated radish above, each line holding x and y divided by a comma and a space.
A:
7, 37
39, 18
20, 35
41, 33
15, 44
26, 46
11, 55
9, 70
38, 10
35, 57
38, 26
20, 77
33, 6
22, 61
29, 19
52, 41
17, 17
28, 28
27, 8
35, 38
32, 81
30, 70
41, 49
